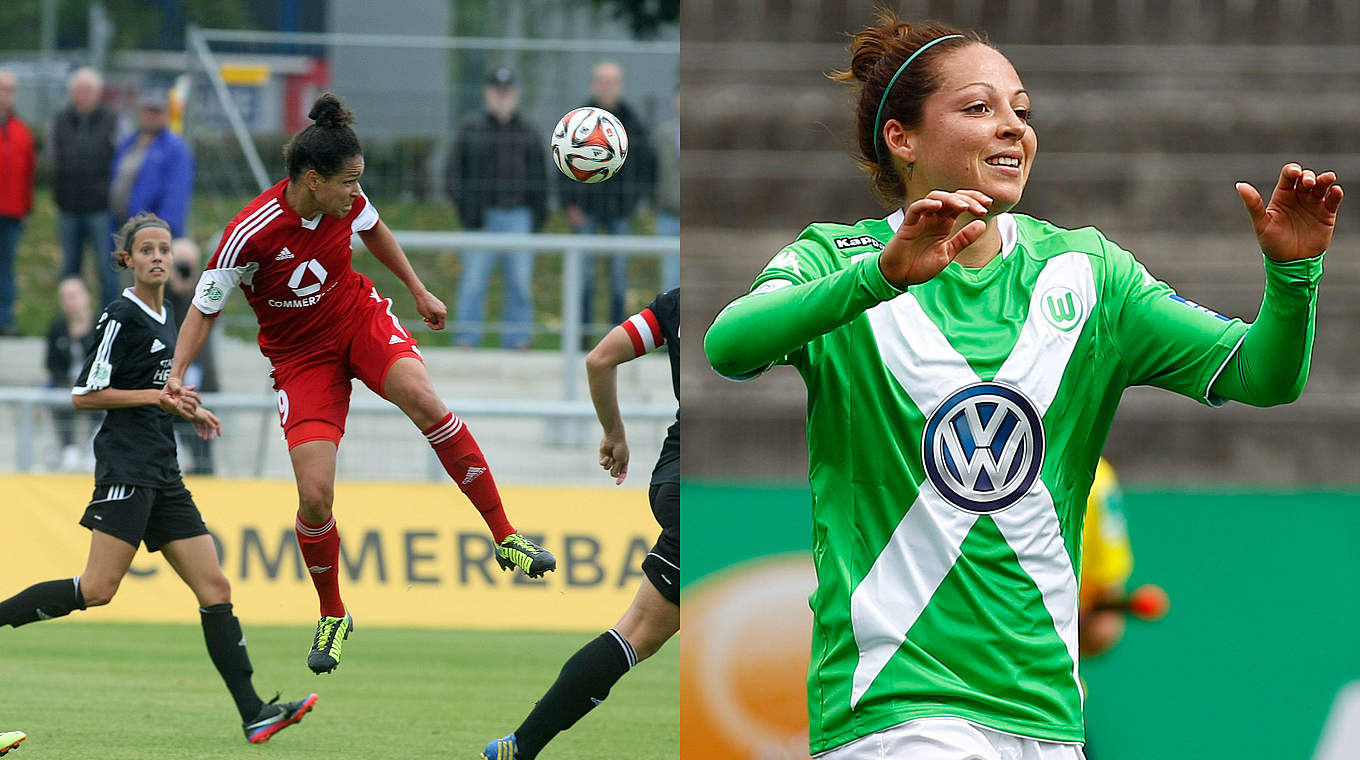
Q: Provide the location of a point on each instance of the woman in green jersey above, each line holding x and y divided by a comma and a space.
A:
963, 364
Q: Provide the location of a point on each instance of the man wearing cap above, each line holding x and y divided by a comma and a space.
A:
496, 176
153, 170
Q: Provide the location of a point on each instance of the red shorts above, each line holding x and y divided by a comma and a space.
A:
313, 387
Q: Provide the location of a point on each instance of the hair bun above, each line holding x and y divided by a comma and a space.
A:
329, 111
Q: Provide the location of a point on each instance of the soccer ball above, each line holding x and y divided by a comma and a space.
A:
589, 145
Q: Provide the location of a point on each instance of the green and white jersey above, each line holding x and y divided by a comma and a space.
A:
954, 432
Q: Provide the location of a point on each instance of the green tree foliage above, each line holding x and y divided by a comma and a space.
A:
644, 17
138, 24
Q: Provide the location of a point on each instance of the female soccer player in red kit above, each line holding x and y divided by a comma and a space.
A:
322, 324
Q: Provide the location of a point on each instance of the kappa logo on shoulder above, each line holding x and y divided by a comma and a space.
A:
846, 243
284, 255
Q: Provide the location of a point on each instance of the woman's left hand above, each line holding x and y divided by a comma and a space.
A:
206, 424
431, 309
1299, 221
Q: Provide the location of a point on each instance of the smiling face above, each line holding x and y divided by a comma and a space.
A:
335, 194
150, 257
974, 131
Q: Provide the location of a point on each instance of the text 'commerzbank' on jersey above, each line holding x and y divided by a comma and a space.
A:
953, 432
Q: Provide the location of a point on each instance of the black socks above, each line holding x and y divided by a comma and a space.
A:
584, 682
227, 648
42, 601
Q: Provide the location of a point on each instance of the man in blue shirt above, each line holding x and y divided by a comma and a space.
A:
153, 170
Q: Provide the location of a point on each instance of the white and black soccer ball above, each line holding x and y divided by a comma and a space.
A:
589, 144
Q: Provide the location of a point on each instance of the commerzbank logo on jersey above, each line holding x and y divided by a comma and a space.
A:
983, 447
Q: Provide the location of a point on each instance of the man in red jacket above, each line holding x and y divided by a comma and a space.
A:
16, 194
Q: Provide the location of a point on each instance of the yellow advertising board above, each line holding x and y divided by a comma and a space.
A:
411, 554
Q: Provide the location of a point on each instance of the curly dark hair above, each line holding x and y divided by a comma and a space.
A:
326, 144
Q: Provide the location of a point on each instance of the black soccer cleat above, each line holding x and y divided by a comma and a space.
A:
518, 551
331, 633
274, 717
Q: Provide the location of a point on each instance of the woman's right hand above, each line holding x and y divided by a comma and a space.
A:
923, 246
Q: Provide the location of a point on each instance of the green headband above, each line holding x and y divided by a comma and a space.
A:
878, 118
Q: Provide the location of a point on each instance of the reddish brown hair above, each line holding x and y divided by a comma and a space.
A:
876, 53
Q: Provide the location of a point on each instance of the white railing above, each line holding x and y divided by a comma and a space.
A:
29, 402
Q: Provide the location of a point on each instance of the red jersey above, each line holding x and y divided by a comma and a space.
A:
295, 272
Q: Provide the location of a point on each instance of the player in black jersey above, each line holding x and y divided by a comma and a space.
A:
138, 493
654, 615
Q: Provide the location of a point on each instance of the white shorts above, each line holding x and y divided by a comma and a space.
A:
949, 739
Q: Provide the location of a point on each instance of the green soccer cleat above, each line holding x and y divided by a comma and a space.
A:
11, 739
503, 748
331, 633
274, 717
518, 551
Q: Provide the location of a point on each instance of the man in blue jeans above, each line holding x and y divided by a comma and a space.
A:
497, 177
81, 147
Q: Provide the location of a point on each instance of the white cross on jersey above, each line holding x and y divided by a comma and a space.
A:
927, 542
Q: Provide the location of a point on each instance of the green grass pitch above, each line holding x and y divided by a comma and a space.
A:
115, 690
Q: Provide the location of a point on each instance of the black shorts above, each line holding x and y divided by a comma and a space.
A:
144, 513
662, 563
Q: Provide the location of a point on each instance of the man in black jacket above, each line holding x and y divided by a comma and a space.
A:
81, 146
496, 176
608, 207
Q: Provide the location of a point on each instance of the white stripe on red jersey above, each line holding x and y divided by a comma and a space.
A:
248, 226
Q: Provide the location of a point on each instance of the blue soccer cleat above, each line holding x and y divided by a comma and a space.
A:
503, 748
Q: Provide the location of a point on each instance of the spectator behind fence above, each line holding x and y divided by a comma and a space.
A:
153, 171
668, 193
496, 177
80, 146
608, 207
69, 339
16, 195
185, 268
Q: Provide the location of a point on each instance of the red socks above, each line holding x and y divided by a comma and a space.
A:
320, 546
463, 461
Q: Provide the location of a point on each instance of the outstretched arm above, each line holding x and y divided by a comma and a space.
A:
602, 370
1294, 230
381, 243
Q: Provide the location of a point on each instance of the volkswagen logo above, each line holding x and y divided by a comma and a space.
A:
983, 447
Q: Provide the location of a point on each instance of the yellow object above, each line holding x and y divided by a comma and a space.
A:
254, 74
1106, 557
411, 554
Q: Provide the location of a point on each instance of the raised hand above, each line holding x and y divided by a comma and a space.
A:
1299, 221
923, 245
